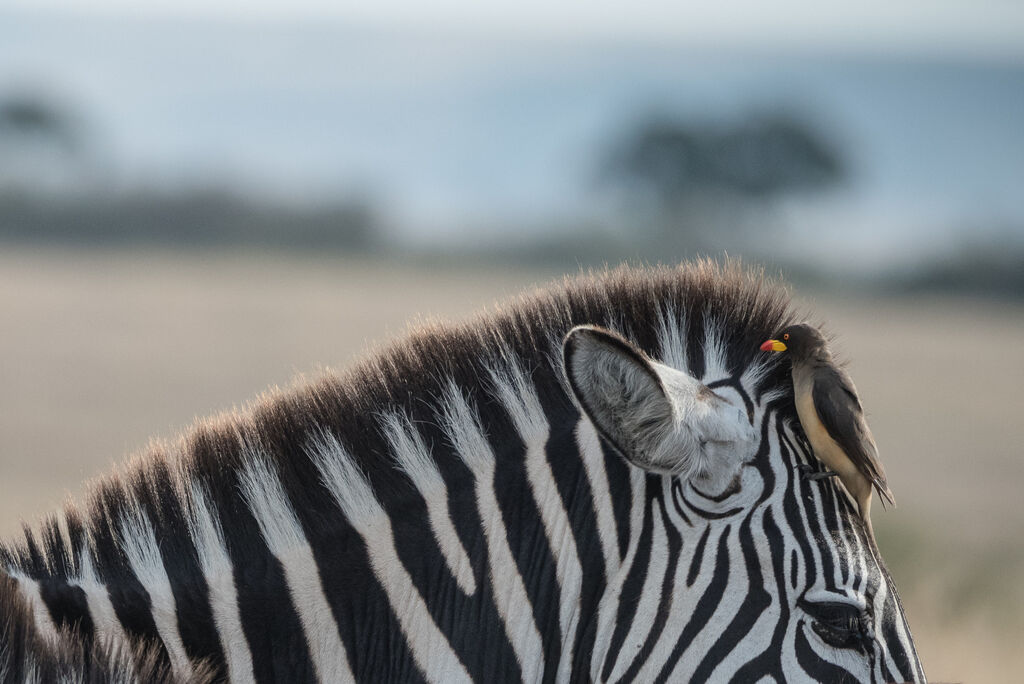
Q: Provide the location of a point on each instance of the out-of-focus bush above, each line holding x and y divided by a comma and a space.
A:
187, 219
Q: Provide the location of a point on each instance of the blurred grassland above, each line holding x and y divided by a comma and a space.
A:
104, 350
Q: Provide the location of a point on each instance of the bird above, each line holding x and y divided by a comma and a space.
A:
832, 416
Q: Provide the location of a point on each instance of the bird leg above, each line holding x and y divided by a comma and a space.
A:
809, 472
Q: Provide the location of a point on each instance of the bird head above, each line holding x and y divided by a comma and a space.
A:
800, 341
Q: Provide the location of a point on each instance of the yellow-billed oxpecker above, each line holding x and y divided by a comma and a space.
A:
831, 415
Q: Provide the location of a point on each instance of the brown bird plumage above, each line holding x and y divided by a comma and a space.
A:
831, 415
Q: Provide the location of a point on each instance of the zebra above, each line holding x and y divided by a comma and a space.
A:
602, 481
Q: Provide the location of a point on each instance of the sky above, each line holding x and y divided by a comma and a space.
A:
986, 28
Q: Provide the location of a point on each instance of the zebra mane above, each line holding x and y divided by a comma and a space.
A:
34, 657
704, 316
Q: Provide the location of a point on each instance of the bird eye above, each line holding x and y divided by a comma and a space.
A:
786, 336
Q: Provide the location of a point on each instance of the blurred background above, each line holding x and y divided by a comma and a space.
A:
199, 200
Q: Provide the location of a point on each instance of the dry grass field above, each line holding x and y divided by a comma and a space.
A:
101, 351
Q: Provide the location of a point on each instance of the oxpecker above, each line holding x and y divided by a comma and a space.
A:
831, 415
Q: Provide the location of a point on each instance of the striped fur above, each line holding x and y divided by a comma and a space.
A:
445, 512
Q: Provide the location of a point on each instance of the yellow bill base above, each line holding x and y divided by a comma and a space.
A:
773, 345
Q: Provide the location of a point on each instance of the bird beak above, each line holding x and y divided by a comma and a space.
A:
773, 346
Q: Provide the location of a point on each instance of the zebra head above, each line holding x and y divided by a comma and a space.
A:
743, 566
482, 503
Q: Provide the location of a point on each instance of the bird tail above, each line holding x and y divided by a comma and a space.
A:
885, 494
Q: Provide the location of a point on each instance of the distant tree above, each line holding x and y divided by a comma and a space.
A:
685, 173
29, 118
42, 146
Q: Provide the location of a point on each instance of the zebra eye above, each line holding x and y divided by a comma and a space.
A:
841, 625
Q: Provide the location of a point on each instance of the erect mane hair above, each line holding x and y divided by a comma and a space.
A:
725, 310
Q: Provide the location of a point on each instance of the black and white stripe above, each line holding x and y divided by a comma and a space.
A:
454, 510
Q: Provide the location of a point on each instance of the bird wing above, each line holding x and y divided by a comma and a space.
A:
840, 411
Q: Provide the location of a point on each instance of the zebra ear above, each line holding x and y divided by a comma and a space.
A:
621, 392
659, 418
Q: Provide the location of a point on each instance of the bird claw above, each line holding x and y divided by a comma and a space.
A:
809, 472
